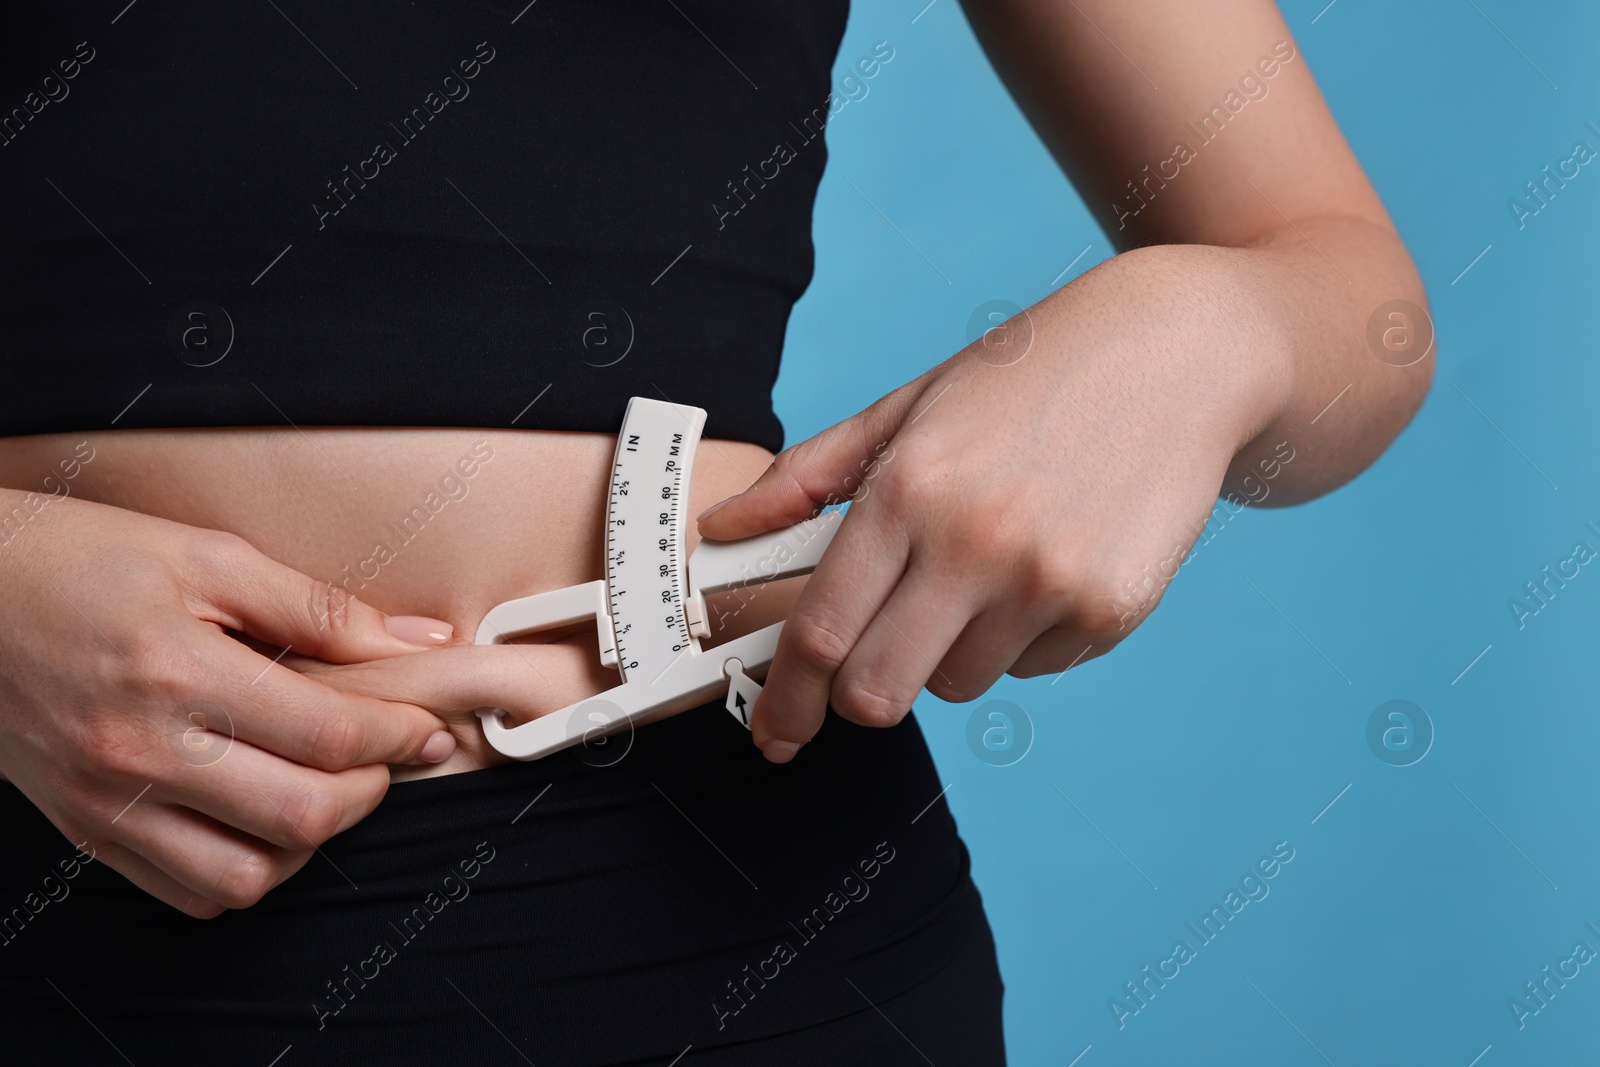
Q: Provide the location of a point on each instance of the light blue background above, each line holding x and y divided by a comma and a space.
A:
1407, 919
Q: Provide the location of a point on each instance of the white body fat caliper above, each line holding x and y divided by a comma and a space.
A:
650, 608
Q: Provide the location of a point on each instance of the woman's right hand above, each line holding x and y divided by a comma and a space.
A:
203, 771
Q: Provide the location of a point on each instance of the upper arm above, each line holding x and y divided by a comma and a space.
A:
1185, 121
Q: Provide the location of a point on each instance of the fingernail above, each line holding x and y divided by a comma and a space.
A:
419, 629
440, 747
713, 507
780, 751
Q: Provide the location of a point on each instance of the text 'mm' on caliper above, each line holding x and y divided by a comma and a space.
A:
650, 608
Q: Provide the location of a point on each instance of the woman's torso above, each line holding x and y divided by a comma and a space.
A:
616, 204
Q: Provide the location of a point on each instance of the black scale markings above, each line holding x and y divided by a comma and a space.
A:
616, 558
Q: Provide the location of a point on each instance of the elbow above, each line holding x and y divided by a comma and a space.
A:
1401, 335
1390, 377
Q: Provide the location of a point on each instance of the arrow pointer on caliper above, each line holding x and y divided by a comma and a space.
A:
742, 690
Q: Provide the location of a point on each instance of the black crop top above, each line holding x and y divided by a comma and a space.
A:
406, 214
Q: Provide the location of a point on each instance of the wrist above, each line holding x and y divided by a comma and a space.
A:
1215, 323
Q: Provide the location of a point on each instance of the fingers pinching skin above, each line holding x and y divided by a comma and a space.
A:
243, 589
300, 719
173, 753
524, 680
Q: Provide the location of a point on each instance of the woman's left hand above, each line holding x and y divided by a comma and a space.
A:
1019, 508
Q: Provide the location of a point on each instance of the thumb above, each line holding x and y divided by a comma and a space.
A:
243, 589
829, 468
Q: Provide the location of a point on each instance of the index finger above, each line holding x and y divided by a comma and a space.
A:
301, 719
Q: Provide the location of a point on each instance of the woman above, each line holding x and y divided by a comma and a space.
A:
321, 324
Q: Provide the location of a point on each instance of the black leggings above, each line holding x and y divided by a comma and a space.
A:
622, 904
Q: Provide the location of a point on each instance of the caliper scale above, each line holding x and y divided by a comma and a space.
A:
650, 610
